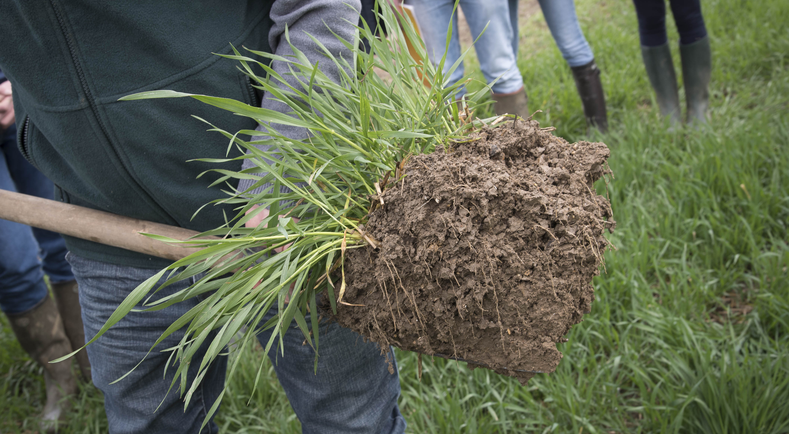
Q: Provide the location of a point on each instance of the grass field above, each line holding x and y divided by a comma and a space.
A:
690, 328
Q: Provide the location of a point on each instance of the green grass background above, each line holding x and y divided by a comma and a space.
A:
690, 328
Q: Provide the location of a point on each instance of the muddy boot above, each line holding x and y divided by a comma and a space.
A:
40, 332
660, 70
696, 70
515, 103
67, 297
590, 88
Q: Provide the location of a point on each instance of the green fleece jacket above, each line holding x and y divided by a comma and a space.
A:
70, 62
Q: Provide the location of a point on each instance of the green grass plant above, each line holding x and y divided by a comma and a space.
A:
690, 328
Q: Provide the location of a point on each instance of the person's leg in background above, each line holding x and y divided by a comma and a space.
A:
563, 23
25, 300
140, 403
694, 50
368, 16
52, 249
494, 48
434, 17
515, 26
656, 54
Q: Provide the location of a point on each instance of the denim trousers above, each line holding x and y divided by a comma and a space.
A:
26, 254
563, 23
352, 391
497, 47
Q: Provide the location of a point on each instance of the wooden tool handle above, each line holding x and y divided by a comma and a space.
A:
97, 226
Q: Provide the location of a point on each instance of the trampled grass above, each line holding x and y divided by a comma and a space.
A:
690, 328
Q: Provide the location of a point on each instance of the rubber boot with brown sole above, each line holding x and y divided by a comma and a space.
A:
590, 89
40, 332
67, 296
516, 103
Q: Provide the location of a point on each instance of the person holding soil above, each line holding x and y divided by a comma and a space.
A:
694, 50
46, 330
131, 159
497, 50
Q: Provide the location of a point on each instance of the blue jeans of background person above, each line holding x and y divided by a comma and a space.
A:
494, 48
563, 24
652, 21
497, 48
352, 392
25, 253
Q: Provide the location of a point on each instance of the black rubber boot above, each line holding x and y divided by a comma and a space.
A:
516, 103
696, 71
40, 332
660, 70
590, 89
67, 296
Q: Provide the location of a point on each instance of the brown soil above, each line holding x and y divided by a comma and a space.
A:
487, 252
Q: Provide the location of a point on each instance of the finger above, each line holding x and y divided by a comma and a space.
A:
5, 88
7, 120
283, 248
286, 246
259, 217
290, 292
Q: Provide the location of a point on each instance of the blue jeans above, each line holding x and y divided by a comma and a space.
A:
494, 48
352, 391
497, 48
25, 253
563, 24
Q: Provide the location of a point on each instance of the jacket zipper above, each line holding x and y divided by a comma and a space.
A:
92, 103
253, 96
24, 147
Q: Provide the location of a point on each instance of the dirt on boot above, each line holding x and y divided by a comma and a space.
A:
487, 252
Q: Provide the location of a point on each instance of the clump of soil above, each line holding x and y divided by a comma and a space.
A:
487, 252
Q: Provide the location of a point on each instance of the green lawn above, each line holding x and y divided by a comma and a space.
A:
690, 329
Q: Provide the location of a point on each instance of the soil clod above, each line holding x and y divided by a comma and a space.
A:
487, 251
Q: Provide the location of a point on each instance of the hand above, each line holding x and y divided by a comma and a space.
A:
254, 222
262, 215
7, 117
